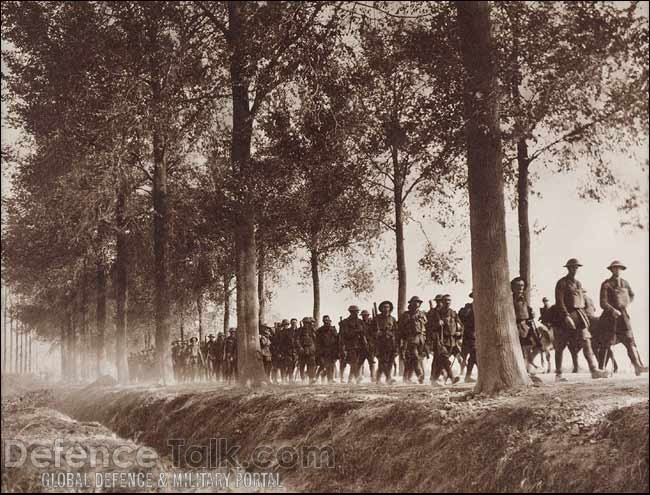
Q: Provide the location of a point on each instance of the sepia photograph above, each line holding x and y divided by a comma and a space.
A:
325, 246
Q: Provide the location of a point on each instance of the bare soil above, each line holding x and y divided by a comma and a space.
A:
581, 436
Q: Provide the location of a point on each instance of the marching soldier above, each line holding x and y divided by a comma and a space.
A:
573, 320
290, 350
353, 343
368, 354
277, 353
615, 297
386, 341
468, 349
230, 353
412, 335
306, 342
433, 315
447, 331
327, 348
218, 357
194, 358
265, 350
528, 336
209, 356
545, 312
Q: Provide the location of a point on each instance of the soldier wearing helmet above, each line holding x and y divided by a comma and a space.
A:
412, 335
615, 297
448, 333
353, 342
386, 341
573, 320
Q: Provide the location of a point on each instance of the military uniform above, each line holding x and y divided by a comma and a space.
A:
570, 305
468, 349
265, 351
615, 297
353, 345
230, 355
447, 336
412, 336
277, 355
327, 347
306, 343
290, 351
368, 353
525, 319
386, 345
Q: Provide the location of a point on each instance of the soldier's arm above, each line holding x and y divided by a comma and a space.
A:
629, 290
559, 299
604, 300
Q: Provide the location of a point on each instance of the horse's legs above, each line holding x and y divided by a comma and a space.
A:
574, 358
548, 361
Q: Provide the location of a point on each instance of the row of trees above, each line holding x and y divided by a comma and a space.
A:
171, 147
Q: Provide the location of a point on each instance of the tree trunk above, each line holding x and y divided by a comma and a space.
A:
401, 258
181, 328
199, 310
250, 370
64, 353
100, 316
226, 303
315, 279
498, 351
73, 355
523, 193
261, 286
4, 333
523, 162
12, 354
29, 356
121, 282
21, 338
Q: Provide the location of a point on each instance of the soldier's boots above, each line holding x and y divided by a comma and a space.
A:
469, 379
560, 378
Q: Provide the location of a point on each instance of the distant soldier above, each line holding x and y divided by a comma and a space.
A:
277, 352
291, 350
448, 332
525, 319
386, 341
353, 342
573, 321
432, 316
209, 356
545, 313
368, 354
327, 348
306, 342
230, 352
265, 350
412, 336
615, 297
175, 360
468, 349
194, 359
218, 356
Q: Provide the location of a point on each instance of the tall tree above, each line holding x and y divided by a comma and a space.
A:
264, 45
572, 96
498, 348
410, 103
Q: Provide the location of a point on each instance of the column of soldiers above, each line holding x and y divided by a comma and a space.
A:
572, 322
292, 351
